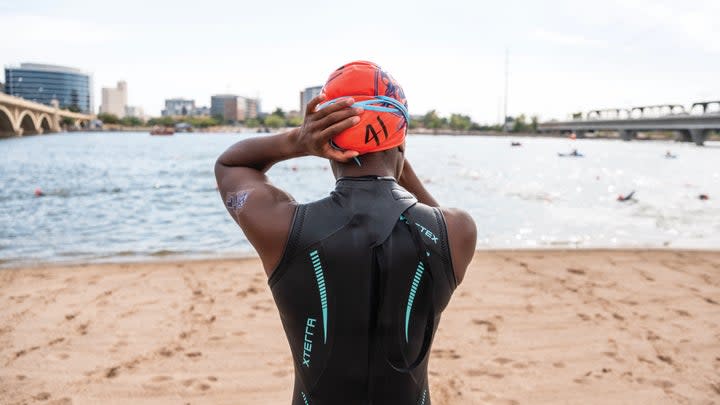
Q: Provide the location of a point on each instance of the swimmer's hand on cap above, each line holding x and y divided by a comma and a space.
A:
320, 126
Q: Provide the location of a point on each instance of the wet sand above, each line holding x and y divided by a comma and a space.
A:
526, 327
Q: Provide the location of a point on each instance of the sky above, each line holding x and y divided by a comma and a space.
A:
564, 56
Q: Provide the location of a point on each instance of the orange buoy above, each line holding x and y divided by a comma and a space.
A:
39, 192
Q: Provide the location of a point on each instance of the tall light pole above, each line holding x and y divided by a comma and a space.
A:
504, 120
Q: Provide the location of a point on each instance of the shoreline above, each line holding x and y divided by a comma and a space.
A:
524, 327
176, 258
642, 136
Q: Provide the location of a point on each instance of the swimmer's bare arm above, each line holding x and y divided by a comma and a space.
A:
462, 232
263, 211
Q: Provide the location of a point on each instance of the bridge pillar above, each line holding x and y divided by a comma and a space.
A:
683, 136
698, 136
626, 135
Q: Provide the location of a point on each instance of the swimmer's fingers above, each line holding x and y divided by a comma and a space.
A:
329, 109
312, 105
327, 134
341, 156
336, 117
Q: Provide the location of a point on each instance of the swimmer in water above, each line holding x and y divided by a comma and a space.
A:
623, 198
361, 277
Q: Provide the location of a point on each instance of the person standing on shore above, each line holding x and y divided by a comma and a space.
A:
361, 277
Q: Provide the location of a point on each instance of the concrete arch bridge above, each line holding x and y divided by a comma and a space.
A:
19, 117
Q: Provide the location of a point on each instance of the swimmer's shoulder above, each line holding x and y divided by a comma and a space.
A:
462, 238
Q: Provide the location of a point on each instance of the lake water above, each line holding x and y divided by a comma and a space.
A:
128, 196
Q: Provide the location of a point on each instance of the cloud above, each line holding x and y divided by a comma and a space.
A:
26, 30
693, 23
566, 39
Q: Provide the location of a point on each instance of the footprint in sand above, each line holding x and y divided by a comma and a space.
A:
56, 341
580, 272
43, 396
480, 373
59, 356
82, 329
61, 401
683, 312
261, 308
490, 327
446, 354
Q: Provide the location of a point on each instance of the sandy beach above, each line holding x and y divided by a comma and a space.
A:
526, 327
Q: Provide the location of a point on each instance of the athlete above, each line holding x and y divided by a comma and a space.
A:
361, 277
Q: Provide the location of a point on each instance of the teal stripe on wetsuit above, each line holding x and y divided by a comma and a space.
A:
411, 297
320, 278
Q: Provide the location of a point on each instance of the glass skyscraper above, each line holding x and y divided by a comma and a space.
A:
44, 83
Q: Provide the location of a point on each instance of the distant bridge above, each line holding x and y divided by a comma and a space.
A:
20, 117
693, 127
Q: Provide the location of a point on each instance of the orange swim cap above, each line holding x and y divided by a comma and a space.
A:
384, 120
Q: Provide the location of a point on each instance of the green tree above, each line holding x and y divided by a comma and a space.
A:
131, 121
279, 112
295, 121
520, 124
534, 123
252, 122
202, 122
274, 121
460, 122
162, 121
108, 118
415, 123
432, 120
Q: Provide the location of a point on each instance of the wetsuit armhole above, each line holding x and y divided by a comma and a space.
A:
445, 243
290, 244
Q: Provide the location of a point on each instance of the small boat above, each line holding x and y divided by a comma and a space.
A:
572, 154
162, 131
515, 144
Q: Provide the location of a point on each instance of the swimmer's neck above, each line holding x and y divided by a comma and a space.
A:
369, 166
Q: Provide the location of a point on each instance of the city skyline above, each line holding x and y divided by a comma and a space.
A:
563, 58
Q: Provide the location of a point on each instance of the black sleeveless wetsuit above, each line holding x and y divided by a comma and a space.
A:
365, 275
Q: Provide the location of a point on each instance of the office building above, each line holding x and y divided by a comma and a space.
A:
134, 111
307, 95
203, 111
252, 108
114, 100
178, 107
41, 83
228, 106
